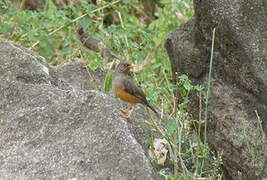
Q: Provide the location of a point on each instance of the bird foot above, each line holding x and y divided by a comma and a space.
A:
125, 111
125, 114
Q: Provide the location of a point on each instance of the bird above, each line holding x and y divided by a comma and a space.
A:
125, 89
94, 44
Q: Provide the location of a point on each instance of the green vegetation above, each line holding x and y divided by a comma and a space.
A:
52, 33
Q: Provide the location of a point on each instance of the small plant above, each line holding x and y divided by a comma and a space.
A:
187, 152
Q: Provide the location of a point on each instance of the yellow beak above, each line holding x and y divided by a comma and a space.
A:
132, 66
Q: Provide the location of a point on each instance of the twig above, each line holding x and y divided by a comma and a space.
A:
125, 37
138, 9
77, 19
179, 133
147, 60
162, 108
93, 79
259, 120
200, 107
208, 94
95, 84
208, 91
172, 147
199, 129
175, 97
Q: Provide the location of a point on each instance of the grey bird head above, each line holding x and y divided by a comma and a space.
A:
124, 67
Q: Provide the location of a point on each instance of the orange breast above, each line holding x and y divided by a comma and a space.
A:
125, 96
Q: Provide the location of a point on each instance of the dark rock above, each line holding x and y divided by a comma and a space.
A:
239, 78
51, 129
33, 5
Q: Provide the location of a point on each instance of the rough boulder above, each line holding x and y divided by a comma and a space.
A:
53, 129
237, 120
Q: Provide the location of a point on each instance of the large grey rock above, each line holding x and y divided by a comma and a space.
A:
50, 129
239, 81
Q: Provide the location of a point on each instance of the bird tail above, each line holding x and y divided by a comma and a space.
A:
153, 109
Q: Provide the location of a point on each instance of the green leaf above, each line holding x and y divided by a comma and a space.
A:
184, 77
93, 65
88, 7
107, 82
183, 106
158, 91
52, 10
95, 59
198, 88
171, 126
180, 89
85, 23
5, 29
188, 86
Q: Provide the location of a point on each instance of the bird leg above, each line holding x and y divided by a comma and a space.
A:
132, 106
128, 112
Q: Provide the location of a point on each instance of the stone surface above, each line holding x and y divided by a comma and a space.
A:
80, 77
239, 79
51, 128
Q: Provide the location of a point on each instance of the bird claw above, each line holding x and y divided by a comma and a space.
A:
125, 111
125, 115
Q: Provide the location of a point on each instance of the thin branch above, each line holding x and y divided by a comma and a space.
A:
259, 121
75, 20
209, 84
125, 37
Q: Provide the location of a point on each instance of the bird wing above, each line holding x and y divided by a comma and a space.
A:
131, 88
